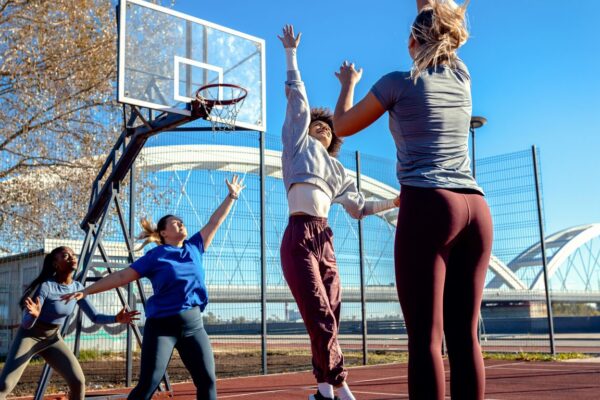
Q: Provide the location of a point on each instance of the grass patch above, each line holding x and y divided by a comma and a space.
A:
522, 356
96, 355
386, 357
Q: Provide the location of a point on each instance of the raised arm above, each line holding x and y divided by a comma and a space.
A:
349, 119
114, 280
354, 201
297, 117
217, 218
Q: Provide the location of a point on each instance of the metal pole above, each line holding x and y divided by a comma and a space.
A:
205, 54
188, 54
543, 249
130, 297
363, 304
475, 123
263, 257
473, 150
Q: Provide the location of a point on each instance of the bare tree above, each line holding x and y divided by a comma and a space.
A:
58, 117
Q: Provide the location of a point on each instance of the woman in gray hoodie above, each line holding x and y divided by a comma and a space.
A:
314, 179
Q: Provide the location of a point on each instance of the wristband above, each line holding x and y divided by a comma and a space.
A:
234, 196
290, 59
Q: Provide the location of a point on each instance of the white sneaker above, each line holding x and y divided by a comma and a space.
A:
319, 396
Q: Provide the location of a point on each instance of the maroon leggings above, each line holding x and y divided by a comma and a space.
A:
442, 252
310, 269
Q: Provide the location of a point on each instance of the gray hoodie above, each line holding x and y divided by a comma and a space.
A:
305, 160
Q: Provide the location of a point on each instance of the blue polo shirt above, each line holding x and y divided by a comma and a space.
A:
177, 277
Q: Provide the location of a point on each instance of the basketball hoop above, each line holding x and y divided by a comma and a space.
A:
219, 103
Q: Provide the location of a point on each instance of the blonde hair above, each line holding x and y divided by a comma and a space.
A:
149, 234
440, 29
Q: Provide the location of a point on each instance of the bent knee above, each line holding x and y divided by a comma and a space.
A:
5, 389
77, 383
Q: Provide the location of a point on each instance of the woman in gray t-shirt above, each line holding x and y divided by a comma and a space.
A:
444, 231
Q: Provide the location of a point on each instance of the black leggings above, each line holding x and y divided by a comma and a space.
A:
442, 252
185, 332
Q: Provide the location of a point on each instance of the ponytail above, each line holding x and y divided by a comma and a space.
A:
151, 232
48, 271
440, 29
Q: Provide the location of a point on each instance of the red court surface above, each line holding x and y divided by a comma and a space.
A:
505, 381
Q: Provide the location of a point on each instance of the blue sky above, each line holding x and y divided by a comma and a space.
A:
534, 66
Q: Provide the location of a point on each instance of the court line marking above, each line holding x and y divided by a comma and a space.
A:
590, 371
382, 393
400, 394
379, 379
447, 371
502, 365
265, 392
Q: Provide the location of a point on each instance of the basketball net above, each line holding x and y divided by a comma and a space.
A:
221, 103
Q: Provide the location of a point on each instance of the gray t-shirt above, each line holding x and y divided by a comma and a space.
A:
429, 121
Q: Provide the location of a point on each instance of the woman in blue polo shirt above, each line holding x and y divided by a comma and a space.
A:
174, 311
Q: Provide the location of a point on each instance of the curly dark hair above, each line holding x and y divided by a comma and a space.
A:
325, 115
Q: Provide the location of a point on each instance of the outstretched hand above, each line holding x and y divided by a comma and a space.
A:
235, 186
127, 317
70, 296
348, 75
33, 308
288, 39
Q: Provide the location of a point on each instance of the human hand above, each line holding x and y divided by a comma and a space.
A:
70, 296
288, 39
235, 187
127, 317
397, 201
33, 308
348, 75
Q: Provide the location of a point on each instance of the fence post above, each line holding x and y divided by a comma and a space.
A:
363, 305
263, 257
543, 249
130, 299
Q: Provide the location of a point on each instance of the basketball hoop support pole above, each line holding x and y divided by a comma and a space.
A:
117, 165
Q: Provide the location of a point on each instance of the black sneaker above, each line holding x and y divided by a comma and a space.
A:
319, 396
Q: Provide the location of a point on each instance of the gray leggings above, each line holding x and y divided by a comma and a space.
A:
44, 340
184, 332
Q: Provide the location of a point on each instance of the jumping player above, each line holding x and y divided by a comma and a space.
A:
314, 179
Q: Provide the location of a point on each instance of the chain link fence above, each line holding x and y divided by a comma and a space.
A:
183, 173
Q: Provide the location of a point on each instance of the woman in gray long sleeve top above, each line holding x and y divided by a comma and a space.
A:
314, 179
39, 331
444, 231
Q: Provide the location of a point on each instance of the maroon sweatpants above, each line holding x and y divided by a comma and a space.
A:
309, 267
442, 252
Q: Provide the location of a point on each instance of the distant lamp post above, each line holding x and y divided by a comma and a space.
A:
476, 123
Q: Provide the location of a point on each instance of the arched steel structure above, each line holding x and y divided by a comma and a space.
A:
561, 246
242, 159
564, 249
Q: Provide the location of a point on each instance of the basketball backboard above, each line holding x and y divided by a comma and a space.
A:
165, 56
